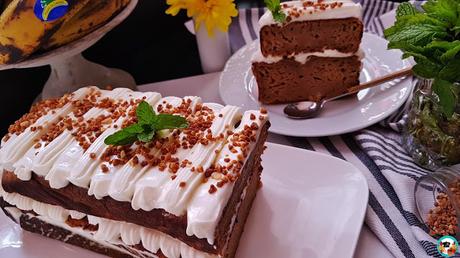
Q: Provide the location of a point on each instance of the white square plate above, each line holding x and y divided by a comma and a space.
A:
310, 205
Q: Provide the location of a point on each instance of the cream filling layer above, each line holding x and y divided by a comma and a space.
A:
304, 57
348, 9
109, 231
17, 213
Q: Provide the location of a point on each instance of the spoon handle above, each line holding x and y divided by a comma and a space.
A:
391, 76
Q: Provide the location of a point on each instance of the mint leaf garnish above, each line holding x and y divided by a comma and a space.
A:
279, 16
275, 8
146, 127
145, 113
431, 37
134, 129
146, 136
167, 121
126, 136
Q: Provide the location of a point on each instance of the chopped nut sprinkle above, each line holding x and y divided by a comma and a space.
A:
37, 111
442, 219
309, 7
104, 168
212, 189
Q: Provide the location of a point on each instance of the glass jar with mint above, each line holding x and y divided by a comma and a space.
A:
432, 139
432, 37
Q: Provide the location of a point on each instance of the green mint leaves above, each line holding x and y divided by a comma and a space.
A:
275, 7
148, 123
432, 38
126, 136
145, 114
405, 9
446, 96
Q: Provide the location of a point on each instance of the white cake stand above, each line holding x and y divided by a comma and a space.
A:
71, 71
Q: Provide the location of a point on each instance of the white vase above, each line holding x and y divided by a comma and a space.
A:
214, 50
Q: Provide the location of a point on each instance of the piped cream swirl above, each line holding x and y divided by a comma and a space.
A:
348, 9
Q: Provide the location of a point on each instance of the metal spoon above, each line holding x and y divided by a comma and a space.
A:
310, 109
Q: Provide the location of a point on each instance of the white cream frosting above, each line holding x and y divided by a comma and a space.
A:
304, 57
123, 184
109, 231
42, 159
151, 184
101, 183
63, 160
347, 10
173, 198
73, 159
85, 167
18, 145
205, 210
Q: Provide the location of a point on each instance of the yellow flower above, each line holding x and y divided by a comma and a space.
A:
175, 6
213, 13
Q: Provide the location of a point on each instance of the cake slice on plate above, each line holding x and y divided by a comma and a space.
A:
310, 54
134, 174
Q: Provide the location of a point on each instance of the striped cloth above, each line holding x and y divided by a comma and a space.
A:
376, 151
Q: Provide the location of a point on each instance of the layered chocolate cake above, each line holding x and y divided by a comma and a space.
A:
312, 54
132, 174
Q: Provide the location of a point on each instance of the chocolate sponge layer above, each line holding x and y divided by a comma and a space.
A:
343, 35
320, 77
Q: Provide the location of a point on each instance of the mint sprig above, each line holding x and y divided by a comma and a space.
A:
405, 9
148, 123
432, 38
275, 8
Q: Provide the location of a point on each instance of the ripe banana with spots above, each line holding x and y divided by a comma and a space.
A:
22, 32
94, 15
27, 26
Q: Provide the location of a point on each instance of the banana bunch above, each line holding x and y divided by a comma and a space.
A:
28, 26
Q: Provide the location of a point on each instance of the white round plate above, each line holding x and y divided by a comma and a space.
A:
237, 86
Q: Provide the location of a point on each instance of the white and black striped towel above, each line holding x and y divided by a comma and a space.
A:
376, 151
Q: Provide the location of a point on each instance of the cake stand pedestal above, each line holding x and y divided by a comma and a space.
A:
71, 71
